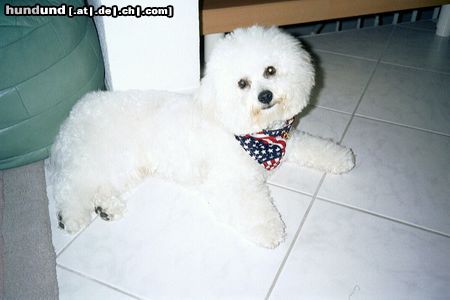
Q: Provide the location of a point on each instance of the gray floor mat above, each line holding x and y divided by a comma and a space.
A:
1, 235
29, 257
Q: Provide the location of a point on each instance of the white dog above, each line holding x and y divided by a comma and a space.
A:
222, 142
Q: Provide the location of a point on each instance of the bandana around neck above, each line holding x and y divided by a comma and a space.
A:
267, 147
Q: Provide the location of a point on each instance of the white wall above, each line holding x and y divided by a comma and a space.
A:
151, 52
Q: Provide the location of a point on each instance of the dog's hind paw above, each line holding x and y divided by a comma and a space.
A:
105, 216
72, 225
109, 208
60, 221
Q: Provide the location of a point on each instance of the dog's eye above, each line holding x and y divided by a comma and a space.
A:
269, 71
243, 83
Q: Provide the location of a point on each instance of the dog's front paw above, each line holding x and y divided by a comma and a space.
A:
269, 234
345, 161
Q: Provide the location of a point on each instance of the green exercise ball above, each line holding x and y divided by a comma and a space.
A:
47, 63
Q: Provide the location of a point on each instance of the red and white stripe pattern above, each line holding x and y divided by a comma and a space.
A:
268, 146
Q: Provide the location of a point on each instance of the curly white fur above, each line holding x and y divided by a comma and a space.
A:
112, 140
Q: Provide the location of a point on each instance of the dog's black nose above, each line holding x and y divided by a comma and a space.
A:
265, 96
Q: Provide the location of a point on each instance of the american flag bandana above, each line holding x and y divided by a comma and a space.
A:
267, 147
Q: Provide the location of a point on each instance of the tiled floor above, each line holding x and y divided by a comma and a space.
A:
379, 232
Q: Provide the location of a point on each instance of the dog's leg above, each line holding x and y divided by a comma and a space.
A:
75, 208
247, 206
318, 153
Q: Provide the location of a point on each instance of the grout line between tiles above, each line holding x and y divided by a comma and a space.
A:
98, 281
308, 210
290, 189
357, 105
297, 234
414, 68
383, 121
403, 125
75, 237
346, 55
399, 221
378, 60
365, 211
332, 109
408, 26
350, 55
367, 85
295, 238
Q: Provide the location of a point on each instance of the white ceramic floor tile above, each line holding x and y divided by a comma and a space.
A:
418, 48
345, 254
59, 237
319, 122
409, 96
367, 43
168, 247
340, 81
75, 287
400, 172
422, 25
